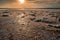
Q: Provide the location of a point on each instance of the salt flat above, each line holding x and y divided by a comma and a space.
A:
30, 24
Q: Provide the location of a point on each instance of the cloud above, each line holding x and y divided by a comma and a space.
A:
28, 4
6, 1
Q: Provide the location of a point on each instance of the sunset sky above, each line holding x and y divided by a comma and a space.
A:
30, 4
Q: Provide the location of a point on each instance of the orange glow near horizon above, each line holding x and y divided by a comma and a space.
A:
20, 4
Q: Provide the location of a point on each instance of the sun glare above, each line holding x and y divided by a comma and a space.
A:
21, 1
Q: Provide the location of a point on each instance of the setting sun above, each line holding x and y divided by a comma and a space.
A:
21, 1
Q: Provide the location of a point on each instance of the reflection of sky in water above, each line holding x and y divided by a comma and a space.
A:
32, 4
55, 6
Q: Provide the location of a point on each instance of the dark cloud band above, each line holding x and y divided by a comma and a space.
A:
7, 1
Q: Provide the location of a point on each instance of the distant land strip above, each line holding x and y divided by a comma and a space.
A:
30, 8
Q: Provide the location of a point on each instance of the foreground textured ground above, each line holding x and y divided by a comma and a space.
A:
36, 24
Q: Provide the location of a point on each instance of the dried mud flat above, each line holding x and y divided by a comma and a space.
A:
37, 24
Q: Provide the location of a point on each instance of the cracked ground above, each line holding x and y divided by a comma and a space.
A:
37, 24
